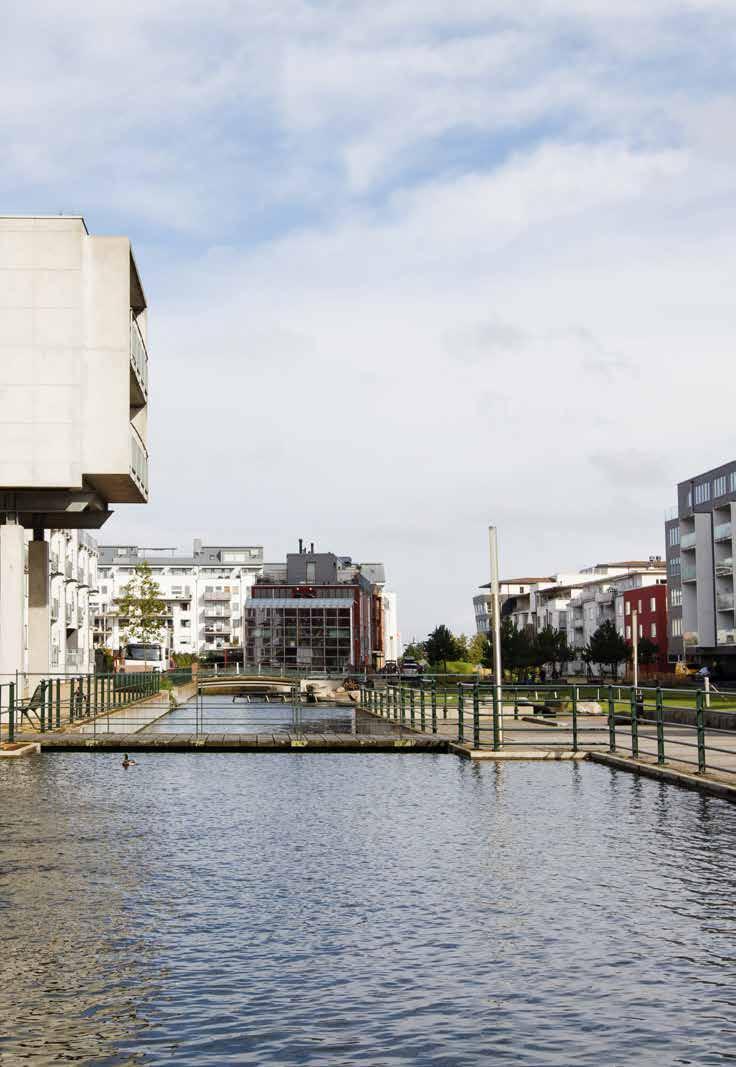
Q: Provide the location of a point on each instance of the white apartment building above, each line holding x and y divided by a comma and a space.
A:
73, 422
577, 602
204, 594
392, 647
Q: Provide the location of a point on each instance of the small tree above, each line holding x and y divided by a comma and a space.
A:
647, 651
440, 646
141, 605
462, 648
414, 650
477, 648
608, 648
545, 646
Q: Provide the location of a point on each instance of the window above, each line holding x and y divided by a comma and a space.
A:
639, 607
311, 573
702, 492
689, 498
732, 482
674, 565
652, 603
675, 598
641, 630
653, 630
628, 607
676, 627
628, 633
719, 486
674, 535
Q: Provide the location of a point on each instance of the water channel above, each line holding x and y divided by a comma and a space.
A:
343, 909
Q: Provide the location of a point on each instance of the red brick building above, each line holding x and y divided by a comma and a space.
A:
650, 604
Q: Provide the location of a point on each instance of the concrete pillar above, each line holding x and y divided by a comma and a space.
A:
12, 591
39, 620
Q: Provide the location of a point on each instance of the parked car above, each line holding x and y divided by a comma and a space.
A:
410, 668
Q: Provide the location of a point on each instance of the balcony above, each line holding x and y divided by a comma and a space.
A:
726, 637
69, 571
54, 566
688, 572
722, 532
212, 628
54, 610
217, 595
604, 596
216, 613
71, 618
138, 462
724, 567
724, 601
687, 540
690, 638
138, 365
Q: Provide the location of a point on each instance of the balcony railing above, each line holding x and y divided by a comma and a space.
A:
212, 629
726, 637
724, 567
54, 610
217, 595
687, 540
724, 601
688, 572
71, 618
722, 532
216, 613
138, 461
68, 569
139, 356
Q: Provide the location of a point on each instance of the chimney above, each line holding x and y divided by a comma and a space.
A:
197, 545
311, 548
301, 542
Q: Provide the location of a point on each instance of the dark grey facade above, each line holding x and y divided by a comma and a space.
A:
700, 570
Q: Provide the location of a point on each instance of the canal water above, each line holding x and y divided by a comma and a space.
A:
342, 910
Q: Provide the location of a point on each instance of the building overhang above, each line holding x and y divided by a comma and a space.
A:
54, 509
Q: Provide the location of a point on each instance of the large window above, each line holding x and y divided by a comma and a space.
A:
719, 486
702, 492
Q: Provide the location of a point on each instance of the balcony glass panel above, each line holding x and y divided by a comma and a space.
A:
726, 637
139, 355
687, 540
722, 532
138, 461
724, 601
688, 572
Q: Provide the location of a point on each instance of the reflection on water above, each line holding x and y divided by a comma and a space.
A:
218, 714
343, 910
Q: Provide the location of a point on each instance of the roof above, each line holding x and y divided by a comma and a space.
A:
301, 602
519, 581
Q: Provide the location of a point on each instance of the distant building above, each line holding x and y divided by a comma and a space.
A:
204, 593
510, 590
317, 611
699, 536
650, 605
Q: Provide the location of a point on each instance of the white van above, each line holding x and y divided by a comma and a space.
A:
143, 657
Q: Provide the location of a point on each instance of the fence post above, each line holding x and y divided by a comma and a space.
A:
58, 702
660, 726
496, 710
42, 707
574, 718
422, 708
700, 726
634, 698
433, 700
89, 695
611, 720
412, 712
11, 712
444, 703
516, 702
476, 716
460, 714
402, 704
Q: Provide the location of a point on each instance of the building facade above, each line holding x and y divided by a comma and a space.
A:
319, 611
203, 593
649, 606
699, 543
74, 418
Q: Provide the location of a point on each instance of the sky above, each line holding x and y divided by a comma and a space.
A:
412, 267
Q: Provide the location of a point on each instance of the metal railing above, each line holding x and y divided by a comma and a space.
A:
692, 727
51, 702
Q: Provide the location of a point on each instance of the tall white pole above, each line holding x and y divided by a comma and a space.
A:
635, 645
495, 603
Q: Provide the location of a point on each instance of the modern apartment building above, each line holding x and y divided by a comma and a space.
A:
510, 591
73, 422
577, 602
204, 593
318, 611
699, 536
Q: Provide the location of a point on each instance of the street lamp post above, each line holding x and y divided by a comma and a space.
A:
495, 604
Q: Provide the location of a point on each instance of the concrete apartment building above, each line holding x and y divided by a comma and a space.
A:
73, 418
318, 611
204, 593
577, 602
699, 543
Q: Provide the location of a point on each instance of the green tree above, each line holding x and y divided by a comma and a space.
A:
415, 650
440, 646
608, 648
648, 651
517, 651
477, 648
545, 645
140, 604
462, 648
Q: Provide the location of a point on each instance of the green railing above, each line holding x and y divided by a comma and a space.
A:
692, 727
47, 703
